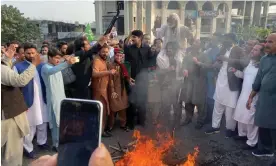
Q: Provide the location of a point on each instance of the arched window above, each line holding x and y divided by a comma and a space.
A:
208, 6
191, 5
173, 5
158, 4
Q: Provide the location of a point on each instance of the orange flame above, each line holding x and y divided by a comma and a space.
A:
149, 152
191, 158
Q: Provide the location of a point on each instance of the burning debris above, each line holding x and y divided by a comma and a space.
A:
145, 151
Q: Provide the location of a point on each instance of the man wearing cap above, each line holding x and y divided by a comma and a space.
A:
118, 99
228, 86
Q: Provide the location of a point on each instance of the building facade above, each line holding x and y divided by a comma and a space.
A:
208, 16
55, 30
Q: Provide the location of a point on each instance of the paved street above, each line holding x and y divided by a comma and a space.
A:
215, 150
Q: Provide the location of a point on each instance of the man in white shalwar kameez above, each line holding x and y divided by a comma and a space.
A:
36, 102
226, 95
245, 118
173, 31
52, 76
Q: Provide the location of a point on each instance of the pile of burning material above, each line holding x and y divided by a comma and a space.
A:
145, 151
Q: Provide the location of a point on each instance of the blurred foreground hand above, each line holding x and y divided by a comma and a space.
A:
100, 157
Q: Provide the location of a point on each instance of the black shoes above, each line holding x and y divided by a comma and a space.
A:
198, 126
44, 147
30, 155
262, 153
229, 133
212, 131
106, 134
240, 138
126, 129
54, 149
247, 147
186, 122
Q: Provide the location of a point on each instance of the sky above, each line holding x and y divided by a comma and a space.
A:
69, 11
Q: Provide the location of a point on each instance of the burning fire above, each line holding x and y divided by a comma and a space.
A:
149, 152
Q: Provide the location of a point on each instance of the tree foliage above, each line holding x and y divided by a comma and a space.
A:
16, 27
252, 32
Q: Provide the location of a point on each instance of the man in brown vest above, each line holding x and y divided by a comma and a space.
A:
14, 123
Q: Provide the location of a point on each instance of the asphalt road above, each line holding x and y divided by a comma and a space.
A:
215, 150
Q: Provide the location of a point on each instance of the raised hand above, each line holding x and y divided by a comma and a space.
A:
36, 60
72, 60
103, 39
10, 52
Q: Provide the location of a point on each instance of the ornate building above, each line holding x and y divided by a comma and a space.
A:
208, 16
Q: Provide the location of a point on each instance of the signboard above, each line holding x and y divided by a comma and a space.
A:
202, 13
65, 35
193, 14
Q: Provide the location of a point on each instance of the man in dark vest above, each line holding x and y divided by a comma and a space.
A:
14, 123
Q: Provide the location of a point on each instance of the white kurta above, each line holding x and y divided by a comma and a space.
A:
223, 94
37, 113
242, 114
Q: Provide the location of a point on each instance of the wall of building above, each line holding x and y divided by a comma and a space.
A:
247, 10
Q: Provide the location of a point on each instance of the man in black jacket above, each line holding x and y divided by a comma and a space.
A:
83, 70
138, 56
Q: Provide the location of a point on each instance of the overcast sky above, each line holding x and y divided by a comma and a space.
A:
70, 11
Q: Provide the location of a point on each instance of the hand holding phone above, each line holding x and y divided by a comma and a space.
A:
80, 131
99, 157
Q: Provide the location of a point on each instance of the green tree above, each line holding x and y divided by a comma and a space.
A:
252, 32
16, 27
262, 33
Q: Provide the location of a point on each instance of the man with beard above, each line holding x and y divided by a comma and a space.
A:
100, 82
244, 60
44, 53
265, 86
194, 88
138, 56
20, 56
173, 31
34, 96
62, 47
118, 98
52, 77
245, 118
228, 87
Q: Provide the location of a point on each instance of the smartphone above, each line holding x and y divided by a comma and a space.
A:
79, 131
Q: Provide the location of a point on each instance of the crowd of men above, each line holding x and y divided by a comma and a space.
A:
140, 82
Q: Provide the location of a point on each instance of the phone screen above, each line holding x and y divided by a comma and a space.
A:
79, 132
